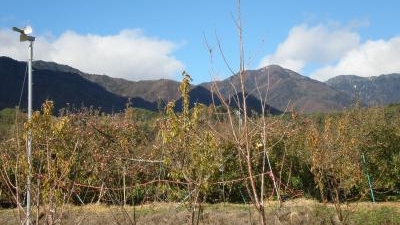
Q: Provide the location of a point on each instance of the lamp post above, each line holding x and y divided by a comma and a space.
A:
25, 37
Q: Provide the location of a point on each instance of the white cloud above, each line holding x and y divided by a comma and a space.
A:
129, 54
318, 44
371, 58
9, 45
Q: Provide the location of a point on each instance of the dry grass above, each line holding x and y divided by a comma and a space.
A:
297, 211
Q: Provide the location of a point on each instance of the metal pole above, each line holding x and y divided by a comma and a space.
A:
24, 37
29, 144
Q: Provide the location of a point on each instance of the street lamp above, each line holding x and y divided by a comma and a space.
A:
25, 37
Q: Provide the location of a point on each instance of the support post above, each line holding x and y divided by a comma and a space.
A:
124, 184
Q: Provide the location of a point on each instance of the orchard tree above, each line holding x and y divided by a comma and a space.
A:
335, 156
190, 150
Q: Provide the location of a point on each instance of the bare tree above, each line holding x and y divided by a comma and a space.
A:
248, 136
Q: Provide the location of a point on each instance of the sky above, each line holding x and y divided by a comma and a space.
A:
156, 39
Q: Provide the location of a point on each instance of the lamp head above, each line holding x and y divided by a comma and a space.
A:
27, 30
24, 33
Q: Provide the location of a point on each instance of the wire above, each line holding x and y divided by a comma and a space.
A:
23, 85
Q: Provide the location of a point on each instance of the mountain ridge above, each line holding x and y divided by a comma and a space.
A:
373, 91
285, 90
281, 88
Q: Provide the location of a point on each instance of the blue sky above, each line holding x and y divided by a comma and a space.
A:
149, 39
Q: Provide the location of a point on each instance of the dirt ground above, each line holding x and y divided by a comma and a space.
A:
297, 211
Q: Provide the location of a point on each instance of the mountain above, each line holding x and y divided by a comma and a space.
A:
282, 89
285, 89
372, 91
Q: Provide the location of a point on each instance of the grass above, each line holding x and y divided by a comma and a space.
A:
297, 211
378, 213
